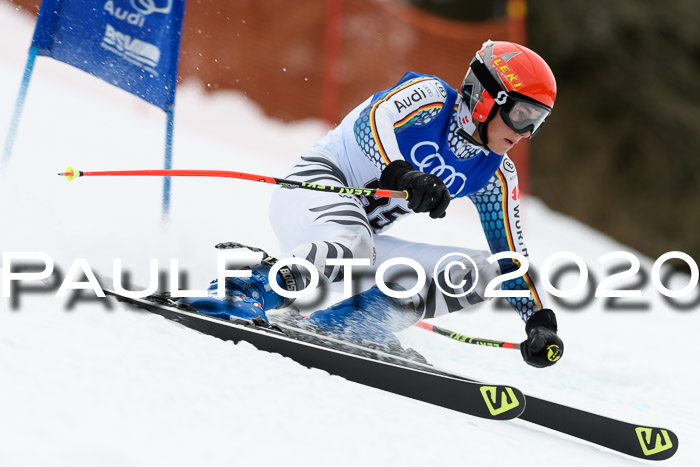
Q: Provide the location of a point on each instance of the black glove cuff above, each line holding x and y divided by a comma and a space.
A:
391, 174
544, 317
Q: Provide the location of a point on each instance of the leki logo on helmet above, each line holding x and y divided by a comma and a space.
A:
508, 76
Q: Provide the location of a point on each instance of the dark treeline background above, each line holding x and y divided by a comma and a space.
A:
621, 151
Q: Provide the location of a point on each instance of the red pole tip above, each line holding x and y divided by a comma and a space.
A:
70, 173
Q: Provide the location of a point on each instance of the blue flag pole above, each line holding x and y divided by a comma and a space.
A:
170, 113
19, 104
133, 45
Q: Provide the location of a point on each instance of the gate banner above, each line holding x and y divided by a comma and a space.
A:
132, 44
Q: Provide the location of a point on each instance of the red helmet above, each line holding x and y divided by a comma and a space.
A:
514, 79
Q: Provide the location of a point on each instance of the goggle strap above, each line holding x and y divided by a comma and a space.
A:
488, 81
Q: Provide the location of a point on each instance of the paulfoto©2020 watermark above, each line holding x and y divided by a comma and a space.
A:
627, 267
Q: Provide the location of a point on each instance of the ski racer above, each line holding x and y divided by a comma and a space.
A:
437, 144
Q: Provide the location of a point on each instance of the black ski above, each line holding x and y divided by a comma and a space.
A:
364, 365
409, 378
642, 441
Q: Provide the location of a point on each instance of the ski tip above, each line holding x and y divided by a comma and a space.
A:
70, 173
656, 443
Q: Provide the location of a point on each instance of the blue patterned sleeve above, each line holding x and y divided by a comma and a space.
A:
498, 205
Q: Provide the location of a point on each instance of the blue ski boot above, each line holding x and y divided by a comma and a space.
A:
246, 297
369, 316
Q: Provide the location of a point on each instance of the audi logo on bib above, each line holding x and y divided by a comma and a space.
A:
428, 157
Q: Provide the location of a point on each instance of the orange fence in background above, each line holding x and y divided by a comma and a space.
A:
320, 58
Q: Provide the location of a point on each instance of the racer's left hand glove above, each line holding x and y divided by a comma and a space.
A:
543, 346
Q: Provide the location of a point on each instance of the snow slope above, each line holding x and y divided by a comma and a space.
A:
90, 382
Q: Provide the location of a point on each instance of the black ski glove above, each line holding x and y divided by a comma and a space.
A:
426, 192
543, 346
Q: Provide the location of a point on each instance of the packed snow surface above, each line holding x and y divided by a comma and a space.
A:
92, 382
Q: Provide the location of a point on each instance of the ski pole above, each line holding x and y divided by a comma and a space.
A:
467, 340
71, 173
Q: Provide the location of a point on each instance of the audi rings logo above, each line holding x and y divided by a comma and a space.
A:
147, 7
439, 170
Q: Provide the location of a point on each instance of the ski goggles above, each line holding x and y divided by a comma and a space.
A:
523, 116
